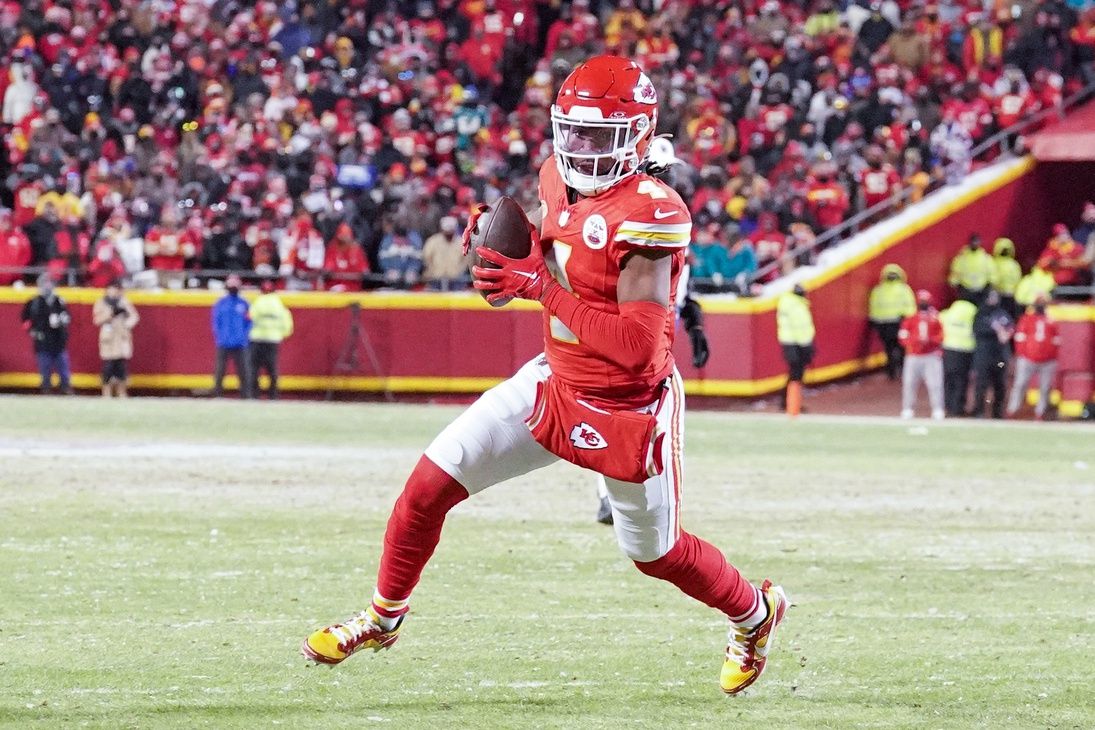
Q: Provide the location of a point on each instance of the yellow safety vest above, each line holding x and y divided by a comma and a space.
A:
891, 301
271, 321
972, 270
1038, 281
794, 323
1006, 274
957, 321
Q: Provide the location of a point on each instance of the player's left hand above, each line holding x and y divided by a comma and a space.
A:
526, 278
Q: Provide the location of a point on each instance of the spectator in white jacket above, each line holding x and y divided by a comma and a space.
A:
19, 97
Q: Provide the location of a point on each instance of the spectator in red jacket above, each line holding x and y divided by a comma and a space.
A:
826, 198
1068, 258
878, 181
769, 243
26, 201
15, 249
1037, 340
72, 249
106, 267
163, 247
482, 56
921, 335
304, 255
345, 260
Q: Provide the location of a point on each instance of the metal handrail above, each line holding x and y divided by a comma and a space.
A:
906, 192
1027, 122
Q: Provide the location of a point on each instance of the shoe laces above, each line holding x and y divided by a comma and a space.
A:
741, 645
351, 633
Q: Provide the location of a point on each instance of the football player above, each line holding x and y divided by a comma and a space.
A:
608, 247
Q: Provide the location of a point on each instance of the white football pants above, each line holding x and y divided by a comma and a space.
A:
490, 443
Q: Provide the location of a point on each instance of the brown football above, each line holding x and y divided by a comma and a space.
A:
505, 229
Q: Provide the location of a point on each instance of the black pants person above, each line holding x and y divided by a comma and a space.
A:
990, 372
264, 356
895, 353
956, 381
798, 358
241, 357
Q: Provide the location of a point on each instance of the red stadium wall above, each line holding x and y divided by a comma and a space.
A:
423, 343
456, 343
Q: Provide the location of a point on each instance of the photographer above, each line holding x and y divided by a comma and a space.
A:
46, 320
115, 317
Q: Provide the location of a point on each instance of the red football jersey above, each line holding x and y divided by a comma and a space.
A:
878, 184
921, 333
1037, 338
585, 243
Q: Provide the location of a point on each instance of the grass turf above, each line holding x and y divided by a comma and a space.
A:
161, 560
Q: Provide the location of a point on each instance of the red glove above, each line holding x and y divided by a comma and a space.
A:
526, 278
472, 220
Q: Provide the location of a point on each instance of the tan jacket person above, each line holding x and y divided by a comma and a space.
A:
115, 316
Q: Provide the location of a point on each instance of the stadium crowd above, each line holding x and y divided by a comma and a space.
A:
340, 144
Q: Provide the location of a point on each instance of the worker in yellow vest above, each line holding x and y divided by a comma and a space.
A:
271, 323
891, 300
1006, 274
958, 346
1039, 281
971, 270
795, 332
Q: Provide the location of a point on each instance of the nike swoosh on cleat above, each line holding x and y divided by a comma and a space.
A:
659, 213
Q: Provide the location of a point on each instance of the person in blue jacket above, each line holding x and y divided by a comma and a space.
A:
232, 335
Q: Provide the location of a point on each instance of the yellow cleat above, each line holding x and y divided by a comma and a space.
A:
747, 649
332, 644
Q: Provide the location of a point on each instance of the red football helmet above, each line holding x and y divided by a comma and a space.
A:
603, 121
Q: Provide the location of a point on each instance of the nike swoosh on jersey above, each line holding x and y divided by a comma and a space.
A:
660, 214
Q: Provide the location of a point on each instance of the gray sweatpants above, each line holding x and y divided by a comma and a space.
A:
926, 368
1024, 370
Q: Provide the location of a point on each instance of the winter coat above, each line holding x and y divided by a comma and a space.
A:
231, 322
46, 321
115, 321
990, 350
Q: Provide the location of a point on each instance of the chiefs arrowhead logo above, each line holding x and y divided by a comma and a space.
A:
585, 436
644, 90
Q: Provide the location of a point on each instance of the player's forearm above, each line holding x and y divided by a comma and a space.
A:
630, 337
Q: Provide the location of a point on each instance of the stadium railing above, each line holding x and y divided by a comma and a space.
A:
200, 278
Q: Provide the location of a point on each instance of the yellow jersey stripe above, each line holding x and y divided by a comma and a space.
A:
651, 237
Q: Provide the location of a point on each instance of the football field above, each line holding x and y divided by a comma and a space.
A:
161, 561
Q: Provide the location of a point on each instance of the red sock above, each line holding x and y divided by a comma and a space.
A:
700, 570
415, 527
